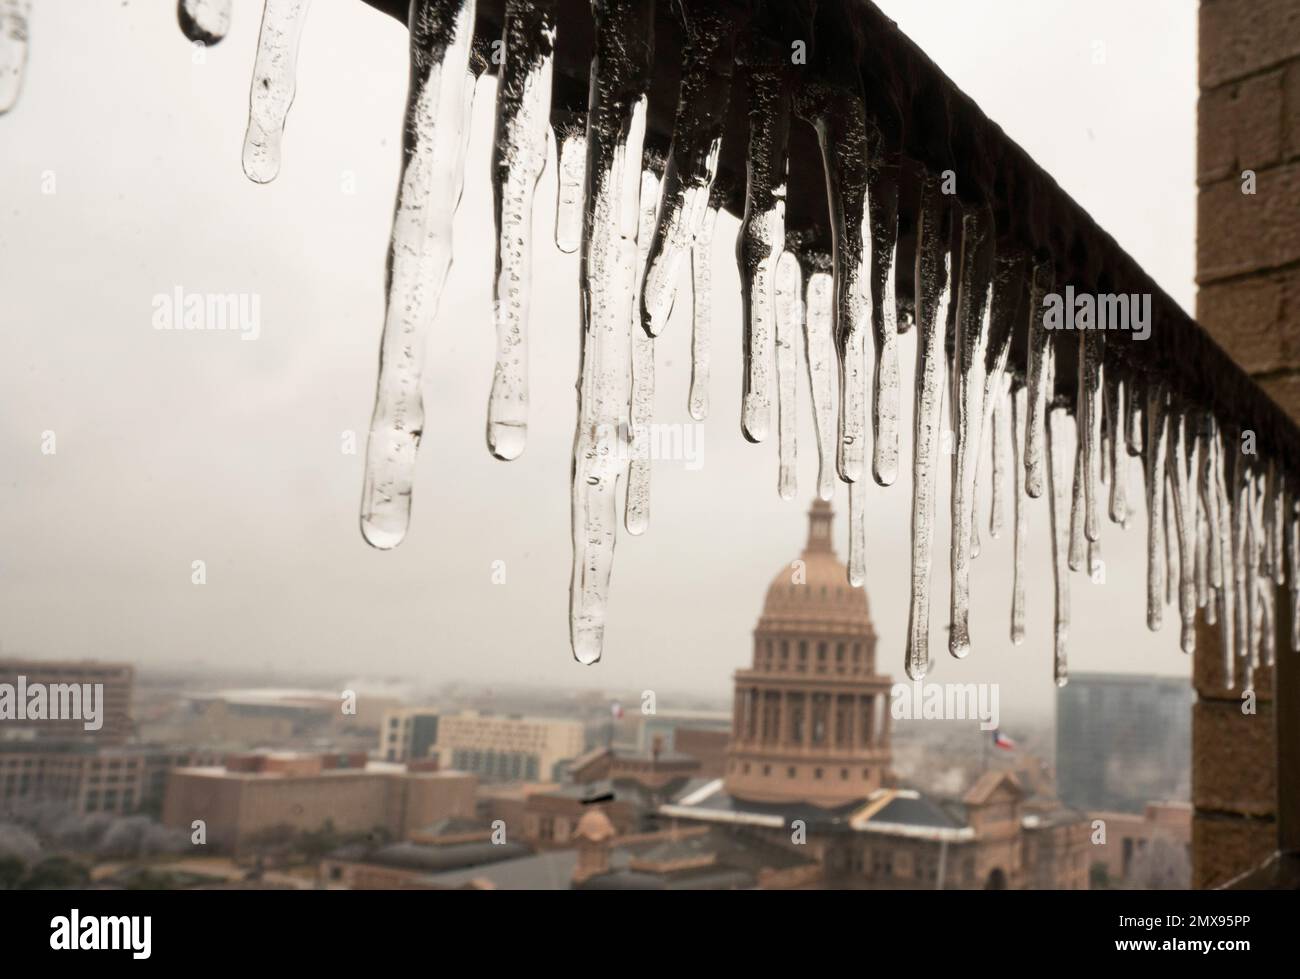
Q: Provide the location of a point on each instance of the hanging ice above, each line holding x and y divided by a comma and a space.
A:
882, 201
1090, 354
1003, 308
1116, 395
837, 116
205, 21
1058, 423
13, 50
999, 450
707, 66
641, 410
1182, 466
702, 314
518, 158
789, 323
620, 79
274, 82
1077, 503
759, 243
973, 301
857, 534
419, 256
1018, 406
1036, 419
1224, 510
571, 142
819, 354
1155, 487
932, 302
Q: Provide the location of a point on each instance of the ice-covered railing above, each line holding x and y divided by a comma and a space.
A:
875, 198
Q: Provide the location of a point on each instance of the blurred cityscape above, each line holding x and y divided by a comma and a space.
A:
808, 778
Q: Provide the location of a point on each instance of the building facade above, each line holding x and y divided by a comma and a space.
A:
252, 794
116, 680
1123, 740
507, 748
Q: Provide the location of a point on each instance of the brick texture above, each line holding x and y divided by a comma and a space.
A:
1256, 320
1232, 758
1240, 233
1225, 847
1241, 37
1239, 127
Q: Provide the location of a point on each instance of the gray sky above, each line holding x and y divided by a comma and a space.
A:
182, 446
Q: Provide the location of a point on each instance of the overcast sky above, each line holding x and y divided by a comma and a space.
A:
181, 446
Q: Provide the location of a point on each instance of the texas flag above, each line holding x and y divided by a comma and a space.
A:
616, 710
1000, 740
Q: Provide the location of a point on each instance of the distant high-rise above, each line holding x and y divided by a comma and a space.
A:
56, 678
1123, 741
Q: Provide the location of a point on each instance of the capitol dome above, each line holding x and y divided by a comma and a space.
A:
813, 591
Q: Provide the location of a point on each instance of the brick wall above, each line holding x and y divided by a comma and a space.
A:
1248, 271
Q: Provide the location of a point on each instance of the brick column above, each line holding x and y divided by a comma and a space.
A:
1248, 271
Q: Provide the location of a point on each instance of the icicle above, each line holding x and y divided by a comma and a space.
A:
1224, 511
1207, 446
1181, 466
819, 354
973, 302
707, 65
857, 534
636, 515
1001, 321
1293, 564
1240, 519
1202, 561
1254, 545
1273, 525
1058, 421
838, 118
571, 142
419, 256
882, 201
702, 313
999, 449
1267, 622
1090, 355
789, 323
274, 81
1134, 417
1172, 570
1155, 480
1038, 394
932, 302
620, 79
1077, 502
205, 21
1116, 399
762, 234
518, 158
13, 50
1018, 409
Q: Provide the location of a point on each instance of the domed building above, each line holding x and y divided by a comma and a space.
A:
811, 717
808, 764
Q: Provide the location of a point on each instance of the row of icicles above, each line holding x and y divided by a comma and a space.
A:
1222, 525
